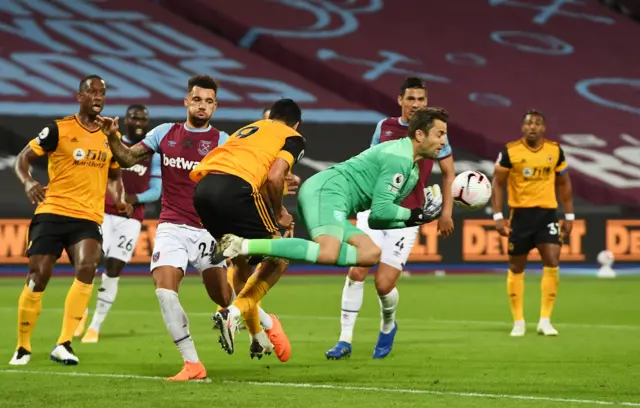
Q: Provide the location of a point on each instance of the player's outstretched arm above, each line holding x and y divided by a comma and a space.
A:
125, 156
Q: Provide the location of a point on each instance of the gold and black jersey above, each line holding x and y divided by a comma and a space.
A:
532, 173
79, 162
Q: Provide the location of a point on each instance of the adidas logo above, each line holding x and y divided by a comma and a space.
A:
74, 140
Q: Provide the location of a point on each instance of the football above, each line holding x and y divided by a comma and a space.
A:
471, 190
606, 258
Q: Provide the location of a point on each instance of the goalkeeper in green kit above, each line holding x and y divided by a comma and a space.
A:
377, 179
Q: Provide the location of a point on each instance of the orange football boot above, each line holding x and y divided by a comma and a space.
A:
279, 339
190, 371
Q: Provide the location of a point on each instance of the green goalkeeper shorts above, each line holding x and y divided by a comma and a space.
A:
323, 205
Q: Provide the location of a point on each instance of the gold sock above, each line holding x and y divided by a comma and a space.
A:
549, 289
29, 308
515, 290
248, 300
74, 306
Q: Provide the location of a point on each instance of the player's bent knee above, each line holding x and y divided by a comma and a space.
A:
328, 256
40, 271
329, 249
516, 268
385, 287
357, 273
167, 277
387, 278
369, 255
37, 280
86, 271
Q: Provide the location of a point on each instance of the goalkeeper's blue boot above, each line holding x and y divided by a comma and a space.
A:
385, 343
339, 351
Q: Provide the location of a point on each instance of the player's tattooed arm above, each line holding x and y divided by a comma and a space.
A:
125, 156
128, 156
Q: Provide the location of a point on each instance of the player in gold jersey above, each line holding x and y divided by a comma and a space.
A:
533, 168
238, 277
68, 216
239, 190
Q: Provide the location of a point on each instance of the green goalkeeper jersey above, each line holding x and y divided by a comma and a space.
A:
379, 179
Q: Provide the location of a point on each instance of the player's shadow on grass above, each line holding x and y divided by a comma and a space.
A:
130, 333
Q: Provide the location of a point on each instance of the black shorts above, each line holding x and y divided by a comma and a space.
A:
532, 226
228, 204
49, 234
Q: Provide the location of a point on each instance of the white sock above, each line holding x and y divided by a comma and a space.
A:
106, 296
177, 323
261, 337
265, 319
388, 305
352, 296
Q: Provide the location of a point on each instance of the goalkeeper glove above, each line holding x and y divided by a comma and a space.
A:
430, 210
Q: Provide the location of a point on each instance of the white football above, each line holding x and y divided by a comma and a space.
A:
471, 189
606, 258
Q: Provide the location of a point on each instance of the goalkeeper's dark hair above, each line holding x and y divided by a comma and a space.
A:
412, 83
424, 120
287, 111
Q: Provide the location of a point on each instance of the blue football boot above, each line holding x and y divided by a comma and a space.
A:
385, 343
339, 351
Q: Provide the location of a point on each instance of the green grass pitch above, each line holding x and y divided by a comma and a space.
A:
452, 349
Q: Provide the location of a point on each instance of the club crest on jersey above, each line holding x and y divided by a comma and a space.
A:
204, 147
78, 154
